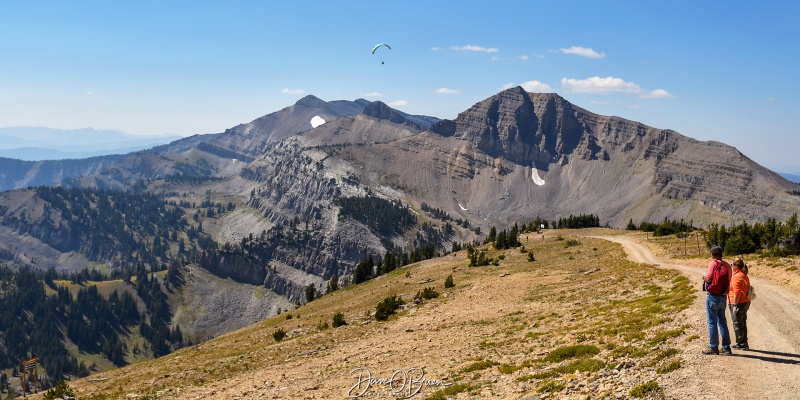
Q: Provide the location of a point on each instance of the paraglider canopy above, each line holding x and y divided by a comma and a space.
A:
379, 45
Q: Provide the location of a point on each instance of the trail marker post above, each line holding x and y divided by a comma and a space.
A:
29, 367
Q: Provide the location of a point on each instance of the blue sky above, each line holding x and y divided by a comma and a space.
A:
724, 71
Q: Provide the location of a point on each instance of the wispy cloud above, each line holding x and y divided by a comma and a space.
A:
446, 91
597, 84
657, 94
599, 102
436, 48
507, 86
634, 106
373, 94
398, 103
292, 91
537, 87
470, 47
583, 52
523, 57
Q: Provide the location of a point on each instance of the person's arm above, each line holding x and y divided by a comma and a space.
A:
736, 284
709, 271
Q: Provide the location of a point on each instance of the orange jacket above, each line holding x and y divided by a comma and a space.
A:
740, 285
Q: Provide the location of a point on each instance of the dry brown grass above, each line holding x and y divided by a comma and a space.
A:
508, 318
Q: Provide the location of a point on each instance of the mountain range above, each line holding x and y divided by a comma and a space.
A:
39, 143
287, 202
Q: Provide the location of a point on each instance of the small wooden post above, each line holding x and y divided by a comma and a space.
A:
697, 236
29, 365
24, 381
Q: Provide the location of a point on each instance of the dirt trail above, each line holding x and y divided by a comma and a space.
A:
770, 370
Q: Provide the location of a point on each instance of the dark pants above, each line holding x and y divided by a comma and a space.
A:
740, 323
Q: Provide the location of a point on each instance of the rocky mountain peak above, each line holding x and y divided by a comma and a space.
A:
311, 101
379, 110
504, 125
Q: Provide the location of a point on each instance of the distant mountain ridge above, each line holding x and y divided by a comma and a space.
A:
794, 177
39, 143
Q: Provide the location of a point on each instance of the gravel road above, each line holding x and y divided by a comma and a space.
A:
770, 370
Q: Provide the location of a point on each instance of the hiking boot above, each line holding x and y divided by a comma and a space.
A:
726, 351
710, 350
741, 346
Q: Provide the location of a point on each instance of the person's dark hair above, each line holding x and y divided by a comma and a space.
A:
716, 251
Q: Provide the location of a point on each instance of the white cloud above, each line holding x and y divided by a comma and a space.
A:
507, 86
373, 94
599, 102
436, 48
292, 91
634, 106
657, 94
446, 91
398, 103
583, 52
470, 47
600, 85
523, 57
537, 87
494, 58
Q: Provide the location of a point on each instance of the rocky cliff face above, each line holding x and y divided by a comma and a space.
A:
510, 158
518, 155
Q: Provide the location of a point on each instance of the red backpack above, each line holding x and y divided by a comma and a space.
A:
719, 279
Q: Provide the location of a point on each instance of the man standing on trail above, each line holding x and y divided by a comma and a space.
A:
716, 282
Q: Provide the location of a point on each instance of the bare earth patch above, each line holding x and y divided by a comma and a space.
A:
580, 321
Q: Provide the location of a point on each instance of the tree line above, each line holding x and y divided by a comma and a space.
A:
664, 228
771, 237
35, 324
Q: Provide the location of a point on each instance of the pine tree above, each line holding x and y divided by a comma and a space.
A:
311, 292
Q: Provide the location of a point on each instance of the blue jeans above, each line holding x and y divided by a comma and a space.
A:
715, 314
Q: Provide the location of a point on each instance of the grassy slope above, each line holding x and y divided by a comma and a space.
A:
490, 335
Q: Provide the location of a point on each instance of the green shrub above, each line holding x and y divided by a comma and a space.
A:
572, 242
448, 282
507, 368
323, 326
426, 294
477, 366
665, 354
58, 391
448, 392
629, 351
531, 258
338, 320
387, 307
279, 334
669, 367
568, 352
551, 387
645, 389
586, 365
663, 336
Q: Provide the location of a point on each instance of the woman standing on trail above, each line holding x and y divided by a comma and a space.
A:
739, 303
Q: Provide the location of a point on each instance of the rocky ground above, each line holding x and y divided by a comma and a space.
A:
581, 321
